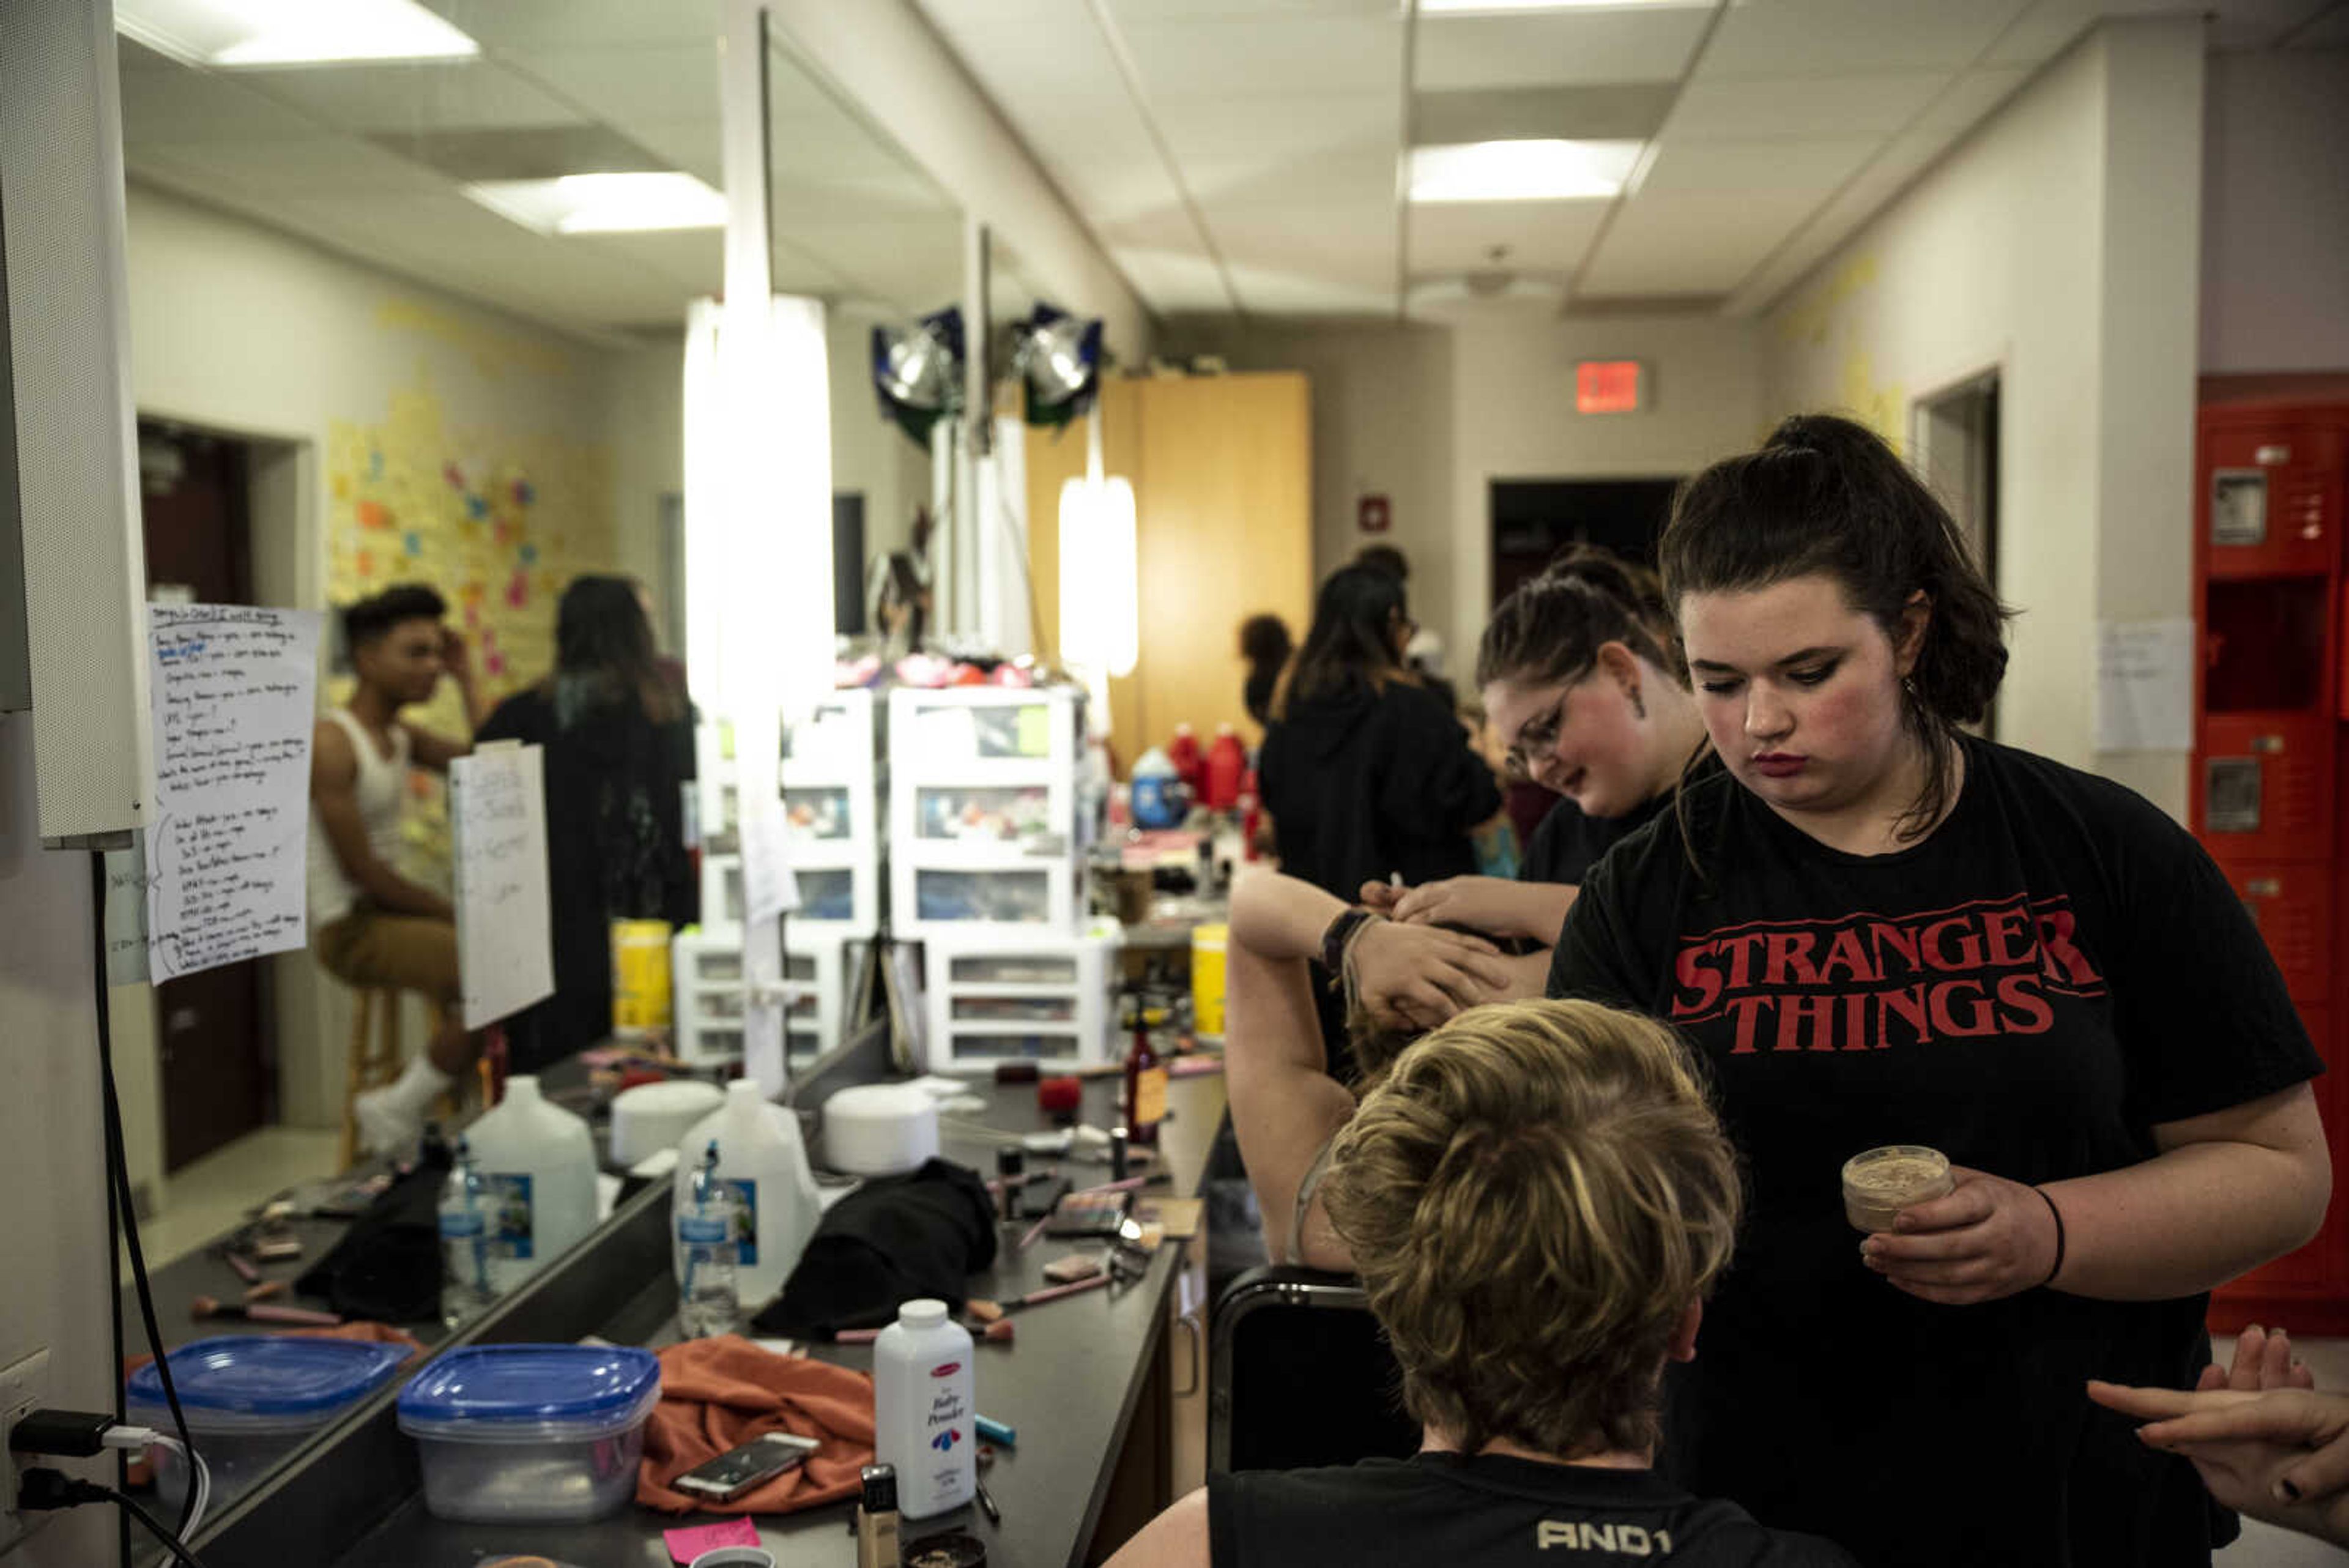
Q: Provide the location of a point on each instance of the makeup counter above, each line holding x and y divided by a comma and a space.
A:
1103, 1389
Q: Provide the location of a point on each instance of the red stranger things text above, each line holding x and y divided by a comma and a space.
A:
1863, 982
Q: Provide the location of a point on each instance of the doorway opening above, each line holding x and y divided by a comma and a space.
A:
1534, 519
1954, 434
215, 1034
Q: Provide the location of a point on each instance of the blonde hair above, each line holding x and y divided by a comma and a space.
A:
1534, 1196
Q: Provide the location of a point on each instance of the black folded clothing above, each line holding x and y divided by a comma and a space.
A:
386, 1267
895, 1239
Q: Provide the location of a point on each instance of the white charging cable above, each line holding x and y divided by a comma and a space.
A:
199, 1474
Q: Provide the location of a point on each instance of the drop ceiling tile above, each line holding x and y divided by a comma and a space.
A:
1277, 56
1194, 10
1843, 37
695, 259
1053, 73
1564, 48
1240, 151
2042, 33
1688, 244
475, 94
694, 146
1167, 228
1796, 165
324, 165
180, 105
1460, 236
1274, 293
1622, 111
1970, 100
520, 25
677, 81
1803, 106
956, 17
1173, 280
1112, 175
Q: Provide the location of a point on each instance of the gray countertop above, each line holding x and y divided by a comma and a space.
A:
1069, 1386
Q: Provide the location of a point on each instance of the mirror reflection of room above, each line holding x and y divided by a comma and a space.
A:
781, 774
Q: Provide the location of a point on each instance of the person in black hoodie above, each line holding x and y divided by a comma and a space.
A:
618, 737
1366, 773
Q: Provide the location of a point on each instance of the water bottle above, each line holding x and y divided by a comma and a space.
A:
706, 1231
464, 1241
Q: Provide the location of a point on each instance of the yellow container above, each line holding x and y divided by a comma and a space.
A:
640, 980
1207, 944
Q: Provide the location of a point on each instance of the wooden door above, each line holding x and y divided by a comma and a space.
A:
212, 1029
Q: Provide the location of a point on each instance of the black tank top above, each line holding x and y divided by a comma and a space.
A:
1488, 1512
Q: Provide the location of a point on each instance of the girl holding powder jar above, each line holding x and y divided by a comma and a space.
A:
1879, 929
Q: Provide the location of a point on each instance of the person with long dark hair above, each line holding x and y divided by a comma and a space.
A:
1366, 773
618, 738
1266, 645
1879, 929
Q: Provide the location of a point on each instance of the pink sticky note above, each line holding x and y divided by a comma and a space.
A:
684, 1545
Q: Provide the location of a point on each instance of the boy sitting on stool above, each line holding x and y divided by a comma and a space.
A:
1537, 1199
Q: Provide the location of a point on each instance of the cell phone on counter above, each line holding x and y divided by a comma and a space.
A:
738, 1470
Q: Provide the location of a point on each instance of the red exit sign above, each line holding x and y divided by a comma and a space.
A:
1610, 386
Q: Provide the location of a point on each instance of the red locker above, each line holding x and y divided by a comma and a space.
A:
2271, 502
2292, 903
2264, 786
2272, 743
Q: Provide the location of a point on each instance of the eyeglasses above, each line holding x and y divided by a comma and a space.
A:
1538, 736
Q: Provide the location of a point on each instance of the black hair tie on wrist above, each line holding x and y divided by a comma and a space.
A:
2058, 1213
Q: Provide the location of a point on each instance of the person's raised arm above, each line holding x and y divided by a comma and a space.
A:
1285, 1106
435, 751
1493, 905
333, 794
1411, 976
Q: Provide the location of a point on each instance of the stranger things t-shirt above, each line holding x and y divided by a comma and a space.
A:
2054, 970
1489, 1511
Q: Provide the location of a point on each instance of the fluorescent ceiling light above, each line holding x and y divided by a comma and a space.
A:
603, 203
1538, 170
232, 35
1434, 7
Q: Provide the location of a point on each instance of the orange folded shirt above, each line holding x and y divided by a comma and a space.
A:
719, 1393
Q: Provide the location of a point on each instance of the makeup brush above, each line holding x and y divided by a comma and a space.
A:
262, 1311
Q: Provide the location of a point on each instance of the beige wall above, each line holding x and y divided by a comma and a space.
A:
1430, 415
2275, 213
2055, 244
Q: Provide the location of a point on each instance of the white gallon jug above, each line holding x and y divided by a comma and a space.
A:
761, 1154
537, 1164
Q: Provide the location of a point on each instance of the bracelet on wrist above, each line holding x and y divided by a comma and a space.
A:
2058, 1214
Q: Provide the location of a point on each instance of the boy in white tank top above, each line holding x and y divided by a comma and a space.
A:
370, 925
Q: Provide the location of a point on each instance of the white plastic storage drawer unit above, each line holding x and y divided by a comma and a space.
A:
1010, 997
983, 810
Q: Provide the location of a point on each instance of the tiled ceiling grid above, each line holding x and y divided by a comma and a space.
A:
1240, 154
366, 159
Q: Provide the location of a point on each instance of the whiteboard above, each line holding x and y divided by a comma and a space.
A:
232, 689
497, 808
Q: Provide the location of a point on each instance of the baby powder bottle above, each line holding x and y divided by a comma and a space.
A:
761, 1156
921, 1409
537, 1166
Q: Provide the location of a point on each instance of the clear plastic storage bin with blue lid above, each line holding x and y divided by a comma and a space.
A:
530, 1433
252, 1400
264, 1382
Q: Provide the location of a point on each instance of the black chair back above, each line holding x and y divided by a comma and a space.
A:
1301, 1375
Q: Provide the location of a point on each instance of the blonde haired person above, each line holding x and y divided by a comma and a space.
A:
1537, 1199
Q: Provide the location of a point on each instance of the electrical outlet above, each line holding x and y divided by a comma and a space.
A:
23, 1388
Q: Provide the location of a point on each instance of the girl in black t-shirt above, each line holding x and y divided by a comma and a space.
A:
1576, 682
1878, 930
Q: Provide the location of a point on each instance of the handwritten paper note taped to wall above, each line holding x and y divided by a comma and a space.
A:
497, 808
232, 698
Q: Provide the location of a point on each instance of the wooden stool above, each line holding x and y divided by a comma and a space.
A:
377, 1063
372, 1063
